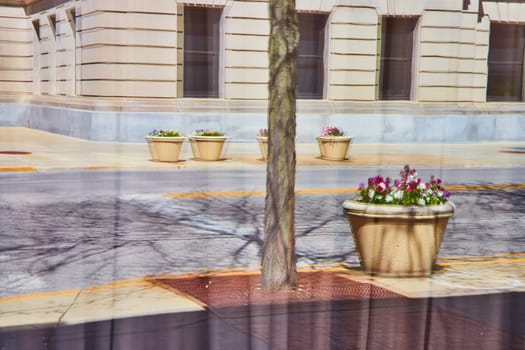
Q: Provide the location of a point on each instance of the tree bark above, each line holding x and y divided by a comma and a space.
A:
279, 260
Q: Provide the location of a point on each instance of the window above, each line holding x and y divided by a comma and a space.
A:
395, 77
505, 62
201, 51
310, 65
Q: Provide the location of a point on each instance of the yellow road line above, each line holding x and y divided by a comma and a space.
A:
17, 168
247, 271
33, 296
102, 167
116, 284
484, 262
327, 191
485, 187
313, 191
92, 289
480, 256
194, 195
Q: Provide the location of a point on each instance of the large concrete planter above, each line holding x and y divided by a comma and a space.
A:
164, 149
333, 147
208, 148
263, 146
398, 240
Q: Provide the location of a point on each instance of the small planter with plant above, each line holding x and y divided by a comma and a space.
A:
164, 145
207, 145
398, 225
262, 140
333, 143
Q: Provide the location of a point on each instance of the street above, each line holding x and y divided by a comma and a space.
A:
71, 229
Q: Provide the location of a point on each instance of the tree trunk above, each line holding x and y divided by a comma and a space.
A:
278, 260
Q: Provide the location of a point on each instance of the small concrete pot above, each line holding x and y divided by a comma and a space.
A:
208, 148
263, 146
164, 149
334, 147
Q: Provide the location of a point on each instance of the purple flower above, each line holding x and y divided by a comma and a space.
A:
332, 131
409, 190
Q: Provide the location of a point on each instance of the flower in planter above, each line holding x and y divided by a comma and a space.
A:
263, 132
164, 133
201, 132
409, 190
332, 131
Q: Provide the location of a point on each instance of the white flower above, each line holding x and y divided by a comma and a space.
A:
397, 194
371, 193
439, 194
421, 201
389, 198
422, 186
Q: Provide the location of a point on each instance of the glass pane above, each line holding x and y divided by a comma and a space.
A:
505, 66
399, 32
396, 58
504, 82
506, 43
310, 55
308, 77
201, 28
395, 80
199, 75
311, 29
201, 51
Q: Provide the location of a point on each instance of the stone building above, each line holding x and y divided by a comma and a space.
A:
385, 70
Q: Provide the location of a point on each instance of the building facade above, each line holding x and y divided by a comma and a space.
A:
409, 61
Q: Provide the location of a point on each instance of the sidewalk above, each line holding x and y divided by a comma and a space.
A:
470, 302
47, 151
463, 306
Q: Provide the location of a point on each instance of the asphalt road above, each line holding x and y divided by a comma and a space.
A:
73, 185
62, 230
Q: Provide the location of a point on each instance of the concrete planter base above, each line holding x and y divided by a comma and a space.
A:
333, 147
164, 149
396, 240
263, 146
208, 148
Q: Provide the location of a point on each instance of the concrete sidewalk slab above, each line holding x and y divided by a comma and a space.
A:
49, 151
125, 299
36, 309
461, 280
116, 300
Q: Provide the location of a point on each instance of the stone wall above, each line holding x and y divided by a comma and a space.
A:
371, 122
129, 48
16, 75
134, 49
112, 70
